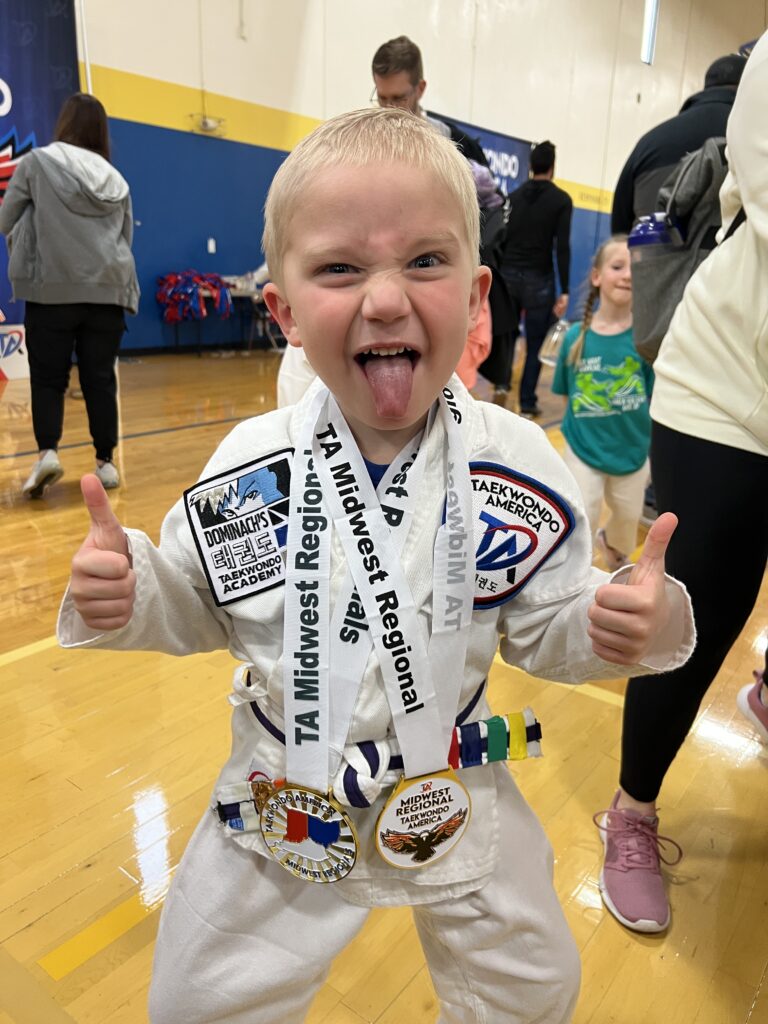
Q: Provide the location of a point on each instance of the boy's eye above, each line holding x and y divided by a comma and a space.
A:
427, 260
337, 268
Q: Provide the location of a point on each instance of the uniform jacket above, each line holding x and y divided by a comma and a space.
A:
69, 226
712, 369
542, 626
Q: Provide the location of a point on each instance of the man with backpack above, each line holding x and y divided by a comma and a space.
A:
703, 116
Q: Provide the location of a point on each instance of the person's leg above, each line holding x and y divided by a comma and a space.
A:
98, 342
591, 484
624, 498
539, 298
506, 360
50, 340
702, 483
241, 940
504, 954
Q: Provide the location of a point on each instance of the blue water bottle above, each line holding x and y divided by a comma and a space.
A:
651, 236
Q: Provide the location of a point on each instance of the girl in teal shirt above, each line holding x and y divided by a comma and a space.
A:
606, 426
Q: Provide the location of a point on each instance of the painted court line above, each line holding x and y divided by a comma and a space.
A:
97, 936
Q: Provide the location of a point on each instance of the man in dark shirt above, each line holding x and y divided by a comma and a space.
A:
539, 221
703, 116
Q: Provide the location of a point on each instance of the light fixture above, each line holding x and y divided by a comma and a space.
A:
650, 24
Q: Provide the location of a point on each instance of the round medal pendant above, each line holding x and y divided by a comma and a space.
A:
423, 820
308, 834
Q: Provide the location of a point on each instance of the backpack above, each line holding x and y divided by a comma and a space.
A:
690, 199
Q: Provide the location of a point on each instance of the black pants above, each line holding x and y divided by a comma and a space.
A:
93, 332
534, 292
719, 550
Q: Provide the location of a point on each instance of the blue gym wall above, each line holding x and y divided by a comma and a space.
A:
187, 188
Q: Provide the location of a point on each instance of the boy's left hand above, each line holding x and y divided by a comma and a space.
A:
626, 617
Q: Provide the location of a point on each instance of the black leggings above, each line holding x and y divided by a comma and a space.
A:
53, 332
719, 550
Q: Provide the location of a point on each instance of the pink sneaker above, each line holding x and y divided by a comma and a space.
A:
750, 705
631, 883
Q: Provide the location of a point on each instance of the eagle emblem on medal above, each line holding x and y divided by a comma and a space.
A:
423, 820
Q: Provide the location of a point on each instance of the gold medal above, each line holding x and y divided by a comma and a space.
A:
308, 834
423, 819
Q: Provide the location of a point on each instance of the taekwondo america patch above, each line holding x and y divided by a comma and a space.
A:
239, 520
519, 523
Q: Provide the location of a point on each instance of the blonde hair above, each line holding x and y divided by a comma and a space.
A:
363, 138
593, 294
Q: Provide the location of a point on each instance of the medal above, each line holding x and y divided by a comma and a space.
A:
308, 834
423, 819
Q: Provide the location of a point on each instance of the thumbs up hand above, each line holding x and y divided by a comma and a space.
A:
103, 584
626, 617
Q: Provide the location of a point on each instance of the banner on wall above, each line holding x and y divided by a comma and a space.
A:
13, 352
508, 157
38, 70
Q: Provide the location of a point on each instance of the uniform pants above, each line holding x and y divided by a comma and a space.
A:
623, 495
243, 942
720, 495
93, 332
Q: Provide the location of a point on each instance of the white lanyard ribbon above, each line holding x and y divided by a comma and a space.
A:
374, 605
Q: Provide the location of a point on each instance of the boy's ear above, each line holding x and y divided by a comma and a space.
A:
481, 285
281, 311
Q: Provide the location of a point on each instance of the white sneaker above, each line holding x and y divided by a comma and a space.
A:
108, 475
47, 471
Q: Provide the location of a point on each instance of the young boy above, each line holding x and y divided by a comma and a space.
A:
367, 620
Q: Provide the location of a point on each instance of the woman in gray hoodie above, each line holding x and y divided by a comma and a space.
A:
68, 223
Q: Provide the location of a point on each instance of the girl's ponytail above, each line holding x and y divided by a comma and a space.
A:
574, 355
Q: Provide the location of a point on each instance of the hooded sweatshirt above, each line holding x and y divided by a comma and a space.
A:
539, 219
69, 226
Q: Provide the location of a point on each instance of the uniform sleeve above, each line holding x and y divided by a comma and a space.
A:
174, 612
17, 198
554, 643
543, 628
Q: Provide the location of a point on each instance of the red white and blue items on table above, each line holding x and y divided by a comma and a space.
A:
183, 296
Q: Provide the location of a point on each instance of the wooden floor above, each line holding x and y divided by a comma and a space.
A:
107, 764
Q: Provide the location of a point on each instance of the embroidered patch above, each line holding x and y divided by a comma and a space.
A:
240, 523
519, 522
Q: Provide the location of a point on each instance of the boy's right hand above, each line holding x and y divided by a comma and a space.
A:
103, 584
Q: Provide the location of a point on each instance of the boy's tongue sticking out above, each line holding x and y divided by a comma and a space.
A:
390, 378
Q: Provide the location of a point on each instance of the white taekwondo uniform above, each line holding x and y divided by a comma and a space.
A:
243, 941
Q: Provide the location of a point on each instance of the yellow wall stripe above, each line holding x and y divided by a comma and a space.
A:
167, 105
585, 197
96, 937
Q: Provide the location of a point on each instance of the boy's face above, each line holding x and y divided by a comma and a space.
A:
380, 288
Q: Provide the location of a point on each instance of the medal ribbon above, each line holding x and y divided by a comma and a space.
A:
423, 719
317, 722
